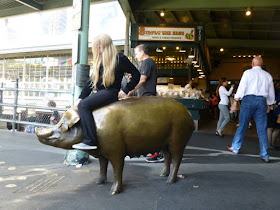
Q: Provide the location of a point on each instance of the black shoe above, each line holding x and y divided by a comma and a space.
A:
266, 160
218, 134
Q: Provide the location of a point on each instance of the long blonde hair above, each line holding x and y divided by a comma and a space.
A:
107, 58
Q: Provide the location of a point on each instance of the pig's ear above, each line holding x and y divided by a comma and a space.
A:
73, 117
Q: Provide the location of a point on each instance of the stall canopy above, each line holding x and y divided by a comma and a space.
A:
225, 23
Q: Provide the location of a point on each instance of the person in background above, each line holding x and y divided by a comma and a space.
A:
214, 106
46, 119
148, 70
109, 67
189, 85
257, 93
147, 84
273, 127
223, 105
55, 117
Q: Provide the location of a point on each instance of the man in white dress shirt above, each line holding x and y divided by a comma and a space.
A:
257, 94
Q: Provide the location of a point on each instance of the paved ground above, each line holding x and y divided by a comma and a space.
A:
32, 176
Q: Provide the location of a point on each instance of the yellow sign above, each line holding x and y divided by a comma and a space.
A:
175, 34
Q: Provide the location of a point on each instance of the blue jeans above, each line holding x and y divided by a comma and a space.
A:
252, 106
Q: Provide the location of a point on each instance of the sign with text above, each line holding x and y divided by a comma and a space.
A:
176, 34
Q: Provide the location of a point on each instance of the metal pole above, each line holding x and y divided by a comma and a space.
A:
24, 71
15, 107
1, 97
126, 44
47, 72
82, 59
83, 41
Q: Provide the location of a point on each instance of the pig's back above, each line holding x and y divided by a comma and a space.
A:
142, 124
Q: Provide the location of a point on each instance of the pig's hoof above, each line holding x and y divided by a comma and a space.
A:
164, 174
115, 189
170, 182
115, 192
101, 181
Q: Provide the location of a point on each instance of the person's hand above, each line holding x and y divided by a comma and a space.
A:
77, 101
268, 109
232, 86
122, 94
233, 107
130, 93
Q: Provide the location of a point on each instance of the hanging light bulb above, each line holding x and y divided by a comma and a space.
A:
191, 55
248, 11
162, 13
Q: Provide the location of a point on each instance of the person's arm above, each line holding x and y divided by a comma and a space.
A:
145, 74
271, 92
240, 92
229, 92
241, 88
86, 90
128, 67
142, 80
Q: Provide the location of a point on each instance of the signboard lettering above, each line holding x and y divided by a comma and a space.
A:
153, 33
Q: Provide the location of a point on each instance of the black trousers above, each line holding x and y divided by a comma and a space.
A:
86, 106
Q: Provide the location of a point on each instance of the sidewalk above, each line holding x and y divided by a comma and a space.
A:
32, 176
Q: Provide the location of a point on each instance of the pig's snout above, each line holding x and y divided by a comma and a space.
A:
44, 133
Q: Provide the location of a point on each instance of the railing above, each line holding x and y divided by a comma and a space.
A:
17, 114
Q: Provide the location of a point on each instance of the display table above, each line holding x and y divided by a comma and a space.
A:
193, 105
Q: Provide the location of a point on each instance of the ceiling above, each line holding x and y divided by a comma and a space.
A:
224, 21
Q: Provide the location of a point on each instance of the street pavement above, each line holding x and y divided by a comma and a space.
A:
33, 176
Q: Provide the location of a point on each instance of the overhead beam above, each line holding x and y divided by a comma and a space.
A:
159, 17
201, 4
244, 23
30, 3
212, 18
190, 15
175, 16
126, 8
230, 22
243, 43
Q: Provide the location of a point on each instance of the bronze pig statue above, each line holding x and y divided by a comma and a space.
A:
133, 127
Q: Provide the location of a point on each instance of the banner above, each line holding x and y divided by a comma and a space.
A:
176, 34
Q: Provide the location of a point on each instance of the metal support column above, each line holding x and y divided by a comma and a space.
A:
76, 157
126, 44
83, 41
15, 107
